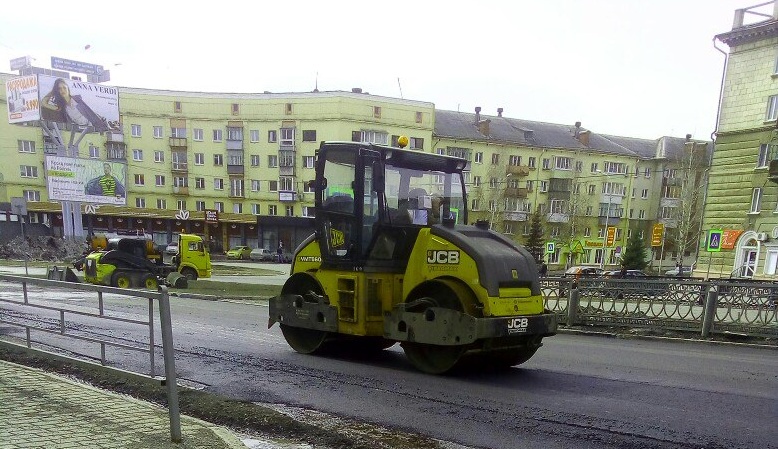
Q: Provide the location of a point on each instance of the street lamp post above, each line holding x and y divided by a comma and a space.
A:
605, 234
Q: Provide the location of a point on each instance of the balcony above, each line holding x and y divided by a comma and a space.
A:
180, 190
178, 142
237, 193
515, 216
517, 170
179, 168
556, 217
611, 221
516, 192
235, 169
234, 145
114, 137
116, 151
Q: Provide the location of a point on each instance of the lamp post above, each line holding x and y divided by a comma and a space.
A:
605, 234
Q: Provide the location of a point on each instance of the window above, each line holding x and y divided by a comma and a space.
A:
218, 160
159, 180
632, 213
159, 156
179, 133
140, 179
530, 185
563, 163
614, 188
644, 193
286, 183
199, 183
772, 108
476, 181
272, 161
493, 183
235, 133
181, 204
199, 206
666, 212
217, 135
531, 162
137, 155
594, 168
546, 163
197, 134
178, 160
589, 211
756, 200
377, 137
236, 187
235, 159
161, 203
287, 136
764, 155
514, 161
309, 135
157, 132
479, 157
642, 214
235, 109
495, 158
474, 205
272, 209
272, 136
618, 168
219, 206
308, 161
579, 166
544, 186
135, 130
237, 208
140, 202
377, 111
647, 173
419, 115
254, 135
199, 158
28, 146
416, 143
273, 186
32, 195
255, 185
288, 108
176, 106
254, 160
557, 207
309, 211
94, 152
218, 184
308, 187
180, 181
592, 189
634, 192
255, 209
290, 211
587, 232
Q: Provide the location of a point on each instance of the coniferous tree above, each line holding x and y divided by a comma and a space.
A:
634, 257
534, 243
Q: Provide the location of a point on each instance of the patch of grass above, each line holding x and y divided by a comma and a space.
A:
230, 289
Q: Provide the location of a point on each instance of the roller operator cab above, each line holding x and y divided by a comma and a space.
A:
392, 260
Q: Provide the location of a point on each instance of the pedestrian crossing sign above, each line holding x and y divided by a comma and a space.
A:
714, 240
550, 248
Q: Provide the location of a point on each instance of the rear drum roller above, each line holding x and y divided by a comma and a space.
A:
436, 359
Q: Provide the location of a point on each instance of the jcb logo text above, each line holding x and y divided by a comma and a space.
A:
450, 257
517, 325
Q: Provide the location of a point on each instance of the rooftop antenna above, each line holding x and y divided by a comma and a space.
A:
400, 86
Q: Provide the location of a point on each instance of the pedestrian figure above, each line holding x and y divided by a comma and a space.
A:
543, 269
679, 265
280, 250
623, 272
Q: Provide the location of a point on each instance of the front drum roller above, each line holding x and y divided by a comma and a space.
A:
302, 340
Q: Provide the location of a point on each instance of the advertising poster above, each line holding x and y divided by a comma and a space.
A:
64, 100
22, 94
86, 180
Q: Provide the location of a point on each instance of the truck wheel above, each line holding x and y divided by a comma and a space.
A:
121, 279
150, 282
189, 273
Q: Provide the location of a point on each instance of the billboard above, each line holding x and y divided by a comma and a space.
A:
62, 100
86, 180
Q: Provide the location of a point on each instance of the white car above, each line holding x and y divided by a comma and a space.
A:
687, 271
261, 254
172, 248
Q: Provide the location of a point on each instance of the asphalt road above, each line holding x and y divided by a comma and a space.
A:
578, 391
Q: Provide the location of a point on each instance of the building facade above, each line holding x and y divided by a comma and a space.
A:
742, 199
249, 158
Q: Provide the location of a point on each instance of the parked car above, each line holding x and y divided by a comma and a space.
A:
261, 254
578, 271
629, 274
172, 248
239, 252
687, 271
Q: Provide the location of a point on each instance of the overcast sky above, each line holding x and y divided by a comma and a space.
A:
633, 68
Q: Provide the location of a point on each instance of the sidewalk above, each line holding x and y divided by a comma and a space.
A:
41, 410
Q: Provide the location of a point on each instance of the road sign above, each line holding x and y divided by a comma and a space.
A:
714, 240
550, 248
657, 233
611, 236
75, 66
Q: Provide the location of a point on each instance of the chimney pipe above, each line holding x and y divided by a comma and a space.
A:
688, 137
499, 112
477, 114
577, 129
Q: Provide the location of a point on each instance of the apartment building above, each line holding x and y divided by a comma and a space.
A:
742, 201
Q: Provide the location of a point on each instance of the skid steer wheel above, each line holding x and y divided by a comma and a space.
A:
189, 273
121, 279
435, 359
302, 340
150, 282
